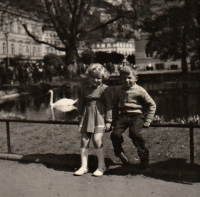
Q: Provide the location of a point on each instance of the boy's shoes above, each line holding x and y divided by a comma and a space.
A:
144, 159
124, 159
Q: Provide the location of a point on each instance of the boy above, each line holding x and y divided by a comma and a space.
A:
133, 108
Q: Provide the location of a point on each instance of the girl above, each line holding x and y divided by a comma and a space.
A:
95, 110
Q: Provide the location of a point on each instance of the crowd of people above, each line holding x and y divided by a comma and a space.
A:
36, 72
28, 73
111, 68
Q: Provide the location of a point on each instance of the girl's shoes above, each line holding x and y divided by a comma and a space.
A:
81, 171
84, 165
84, 160
99, 172
101, 163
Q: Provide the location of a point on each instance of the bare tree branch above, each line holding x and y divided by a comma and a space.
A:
41, 41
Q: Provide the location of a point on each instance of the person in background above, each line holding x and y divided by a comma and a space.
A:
133, 108
3, 73
95, 110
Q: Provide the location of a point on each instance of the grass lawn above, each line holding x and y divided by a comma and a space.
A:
164, 143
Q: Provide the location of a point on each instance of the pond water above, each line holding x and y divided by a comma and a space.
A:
173, 101
36, 106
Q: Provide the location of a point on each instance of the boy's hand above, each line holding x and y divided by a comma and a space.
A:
146, 125
108, 127
79, 118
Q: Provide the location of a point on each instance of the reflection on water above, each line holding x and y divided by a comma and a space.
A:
69, 111
174, 102
176, 105
36, 106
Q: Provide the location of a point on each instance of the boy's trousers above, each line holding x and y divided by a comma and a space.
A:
135, 125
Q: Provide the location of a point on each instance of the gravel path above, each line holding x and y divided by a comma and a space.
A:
31, 180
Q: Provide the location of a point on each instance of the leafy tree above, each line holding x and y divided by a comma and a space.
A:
115, 58
106, 58
15, 60
87, 57
195, 42
101, 57
173, 30
72, 20
81, 20
131, 59
52, 59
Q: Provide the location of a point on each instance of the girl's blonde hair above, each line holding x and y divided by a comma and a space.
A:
97, 70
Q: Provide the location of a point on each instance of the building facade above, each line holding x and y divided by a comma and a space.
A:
144, 58
14, 40
110, 45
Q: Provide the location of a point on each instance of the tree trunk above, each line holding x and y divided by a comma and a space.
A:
184, 38
72, 61
184, 52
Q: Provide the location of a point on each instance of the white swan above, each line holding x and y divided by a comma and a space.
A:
65, 108
61, 102
62, 109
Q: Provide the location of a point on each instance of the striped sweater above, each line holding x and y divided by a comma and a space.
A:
134, 100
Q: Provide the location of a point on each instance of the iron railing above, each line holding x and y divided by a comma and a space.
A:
191, 128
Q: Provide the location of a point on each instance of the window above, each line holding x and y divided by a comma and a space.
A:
12, 49
19, 28
20, 48
4, 48
33, 29
38, 50
33, 51
27, 49
6, 28
12, 27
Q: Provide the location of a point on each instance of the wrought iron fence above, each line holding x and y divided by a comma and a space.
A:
191, 128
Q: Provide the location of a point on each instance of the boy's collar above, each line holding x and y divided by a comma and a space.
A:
95, 86
128, 88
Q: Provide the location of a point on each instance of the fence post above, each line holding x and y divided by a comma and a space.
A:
192, 146
8, 136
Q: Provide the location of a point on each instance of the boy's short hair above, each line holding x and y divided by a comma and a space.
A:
128, 70
97, 70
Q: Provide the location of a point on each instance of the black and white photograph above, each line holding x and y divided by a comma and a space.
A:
99, 98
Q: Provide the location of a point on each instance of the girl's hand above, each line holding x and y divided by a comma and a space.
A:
108, 127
